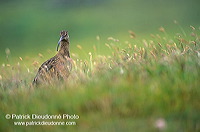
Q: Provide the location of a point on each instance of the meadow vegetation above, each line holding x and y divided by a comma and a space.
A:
139, 83
126, 76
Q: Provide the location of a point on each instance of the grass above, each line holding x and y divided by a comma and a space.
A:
139, 85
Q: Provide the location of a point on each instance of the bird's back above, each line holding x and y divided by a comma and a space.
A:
55, 68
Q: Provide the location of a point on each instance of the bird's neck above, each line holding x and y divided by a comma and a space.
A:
64, 49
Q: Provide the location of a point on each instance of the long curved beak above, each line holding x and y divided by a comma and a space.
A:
59, 42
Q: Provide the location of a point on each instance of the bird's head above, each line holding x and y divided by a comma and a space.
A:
63, 37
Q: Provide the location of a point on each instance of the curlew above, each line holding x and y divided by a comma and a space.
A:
57, 67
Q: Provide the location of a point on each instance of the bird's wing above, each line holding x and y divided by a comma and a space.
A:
47, 65
45, 68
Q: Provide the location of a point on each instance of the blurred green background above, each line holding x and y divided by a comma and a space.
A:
112, 94
32, 27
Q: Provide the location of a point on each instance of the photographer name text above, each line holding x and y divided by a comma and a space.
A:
41, 116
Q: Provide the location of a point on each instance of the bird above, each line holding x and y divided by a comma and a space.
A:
59, 66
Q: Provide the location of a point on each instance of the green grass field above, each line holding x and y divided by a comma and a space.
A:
131, 89
136, 65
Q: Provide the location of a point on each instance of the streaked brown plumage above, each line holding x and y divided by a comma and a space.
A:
58, 66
